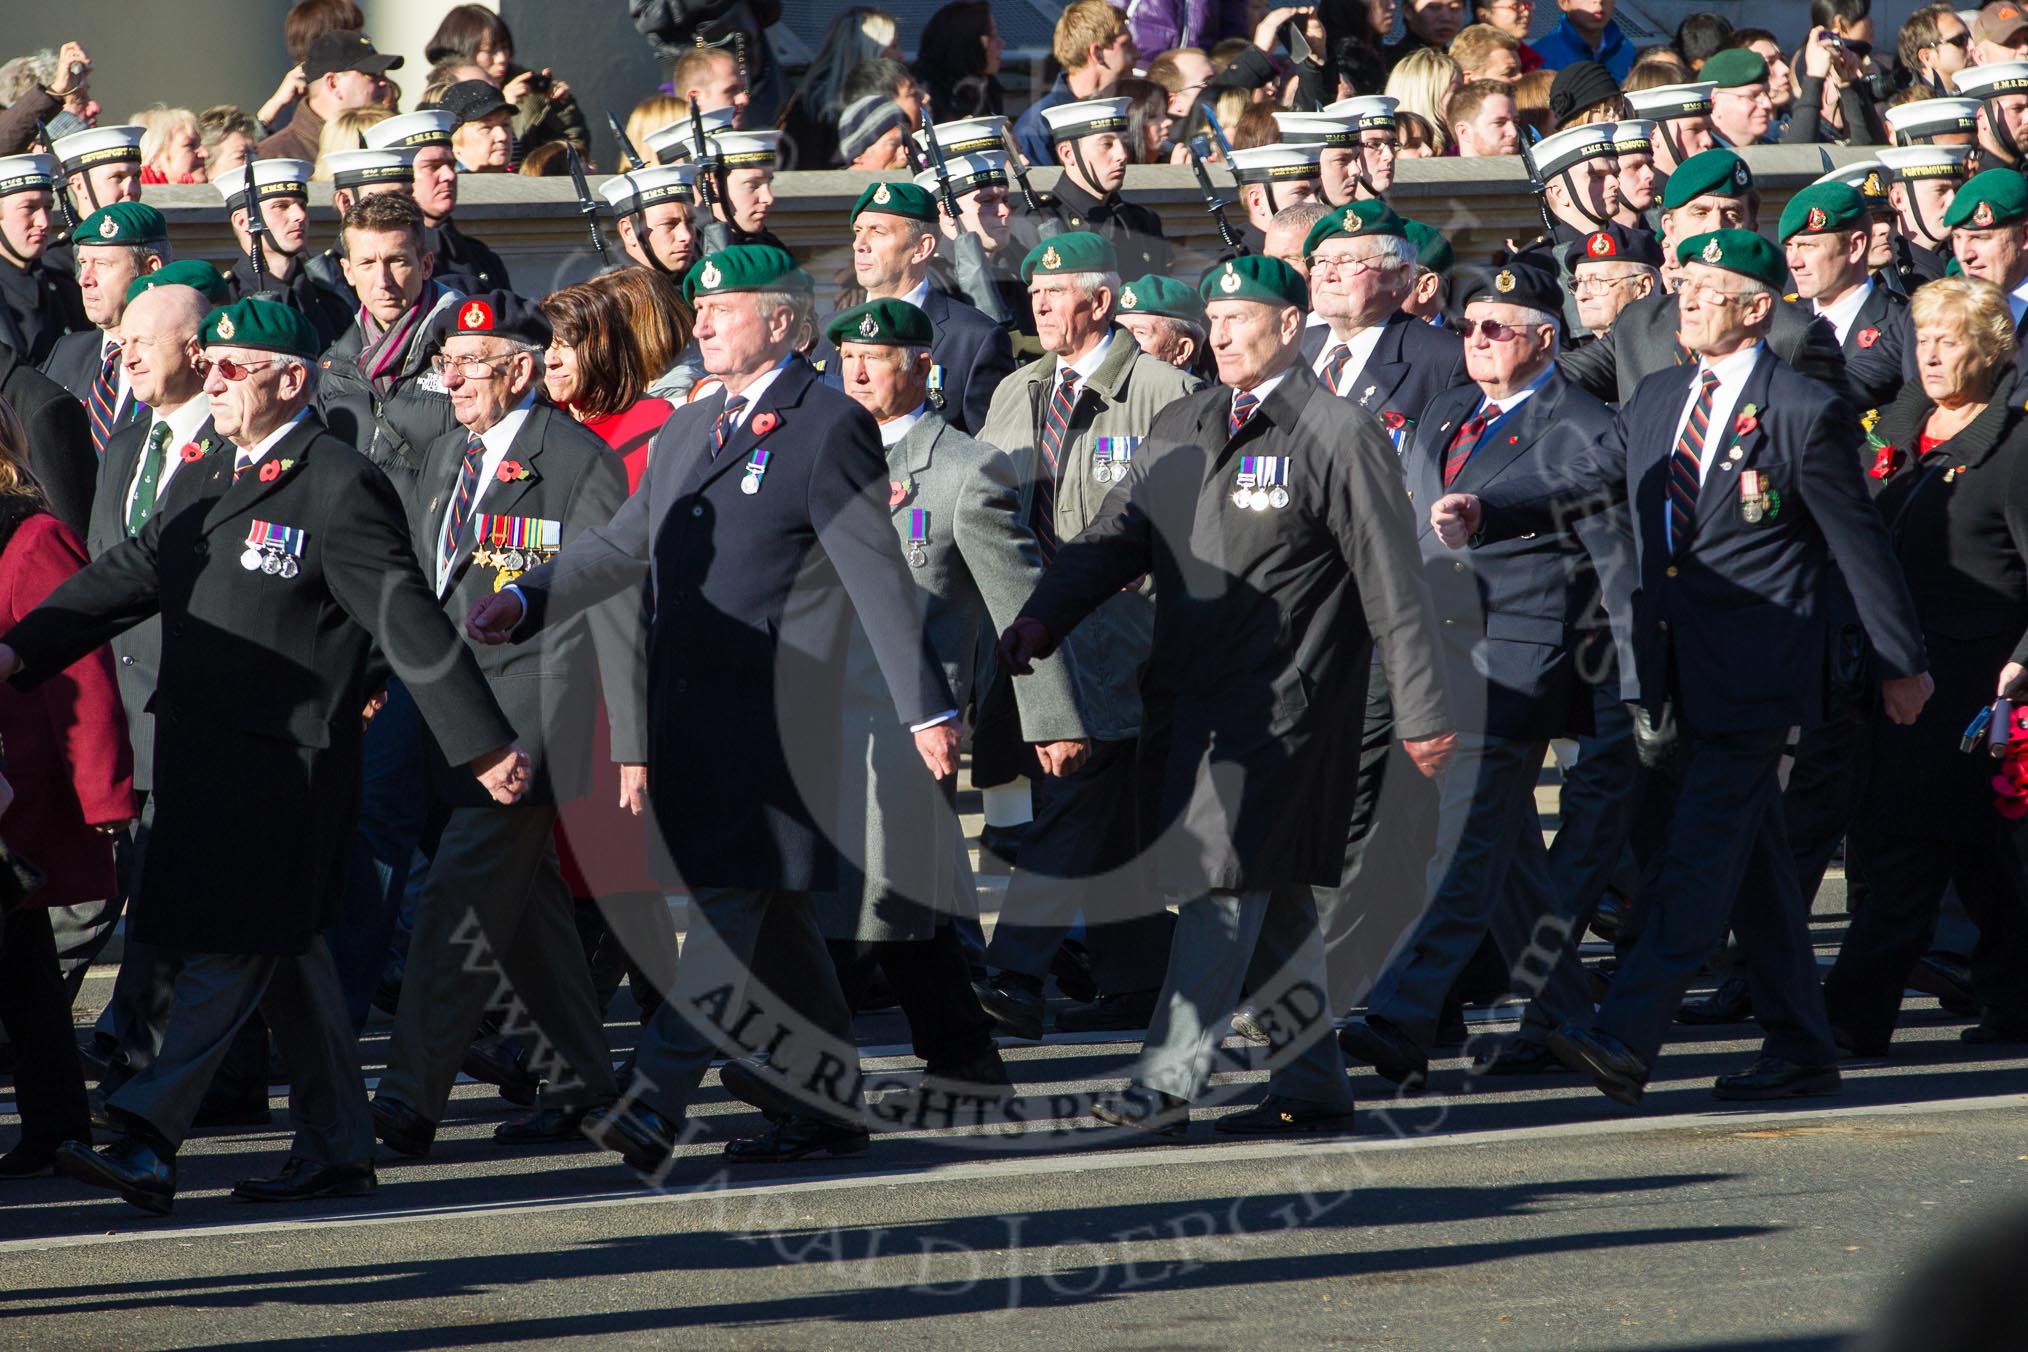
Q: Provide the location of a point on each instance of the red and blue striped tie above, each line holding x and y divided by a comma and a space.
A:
1686, 466
104, 399
461, 501
1054, 427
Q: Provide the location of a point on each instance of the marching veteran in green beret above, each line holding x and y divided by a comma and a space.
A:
1270, 515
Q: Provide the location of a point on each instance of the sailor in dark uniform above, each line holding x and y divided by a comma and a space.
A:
101, 166
743, 184
981, 184
1271, 177
462, 263
652, 208
1576, 168
282, 190
356, 174
2001, 126
38, 302
1336, 137
1921, 181
1370, 175
1638, 181
1682, 117
1090, 140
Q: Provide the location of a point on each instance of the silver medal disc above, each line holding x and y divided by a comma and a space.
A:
1752, 511
514, 560
1260, 499
271, 565
916, 556
1279, 498
1243, 499
750, 485
251, 560
288, 567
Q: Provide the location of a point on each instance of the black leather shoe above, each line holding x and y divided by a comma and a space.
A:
543, 1126
404, 1130
1127, 1012
1730, 1003
1071, 966
1451, 1029
1609, 915
95, 1103
946, 1095
497, 1060
1014, 1005
28, 1160
234, 1110
1246, 1023
101, 1057
129, 1166
1773, 1077
760, 1083
1379, 1044
1949, 979
301, 1180
643, 1137
1992, 1029
1518, 1057
798, 1137
1145, 1110
1279, 1115
1850, 1045
1619, 1074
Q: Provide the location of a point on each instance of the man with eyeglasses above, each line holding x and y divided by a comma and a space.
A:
1271, 520
1922, 180
1934, 45
1738, 480
2002, 91
1710, 191
1368, 174
1512, 17
1507, 621
1610, 269
283, 575
515, 483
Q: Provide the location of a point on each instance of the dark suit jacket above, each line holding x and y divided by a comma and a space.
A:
59, 438
546, 689
1511, 611
1643, 341
1265, 627
329, 313
1734, 620
972, 355
463, 263
393, 432
138, 651
752, 597
1411, 364
1879, 349
257, 732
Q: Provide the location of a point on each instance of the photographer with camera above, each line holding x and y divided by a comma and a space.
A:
1841, 93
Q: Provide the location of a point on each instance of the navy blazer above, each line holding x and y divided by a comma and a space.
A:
1413, 362
972, 356
1734, 622
1509, 612
1879, 349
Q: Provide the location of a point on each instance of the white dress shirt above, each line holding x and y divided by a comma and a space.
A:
1086, 366
894, 429
183, 421
496, 439
1361, 344
122, 391
1495, 409
252, 455
752, 394
2017, 303
1840, 314
1732, 371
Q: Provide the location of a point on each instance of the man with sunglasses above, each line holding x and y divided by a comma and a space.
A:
1738, 480
514, 483
1508, 657
1710, 191
1934, 45
283, 575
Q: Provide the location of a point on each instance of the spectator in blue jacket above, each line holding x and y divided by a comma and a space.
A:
1586, 33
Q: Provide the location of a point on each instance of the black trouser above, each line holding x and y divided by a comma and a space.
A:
48, 1077
933, 986
1894, 929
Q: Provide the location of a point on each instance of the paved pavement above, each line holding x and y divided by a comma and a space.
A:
1477, 1215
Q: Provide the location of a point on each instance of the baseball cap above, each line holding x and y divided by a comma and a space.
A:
346, 49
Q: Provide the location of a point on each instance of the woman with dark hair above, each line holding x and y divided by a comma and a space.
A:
809, 120
544, 108
958, 61
1148, 121
65, 744
1353, 64
660, 320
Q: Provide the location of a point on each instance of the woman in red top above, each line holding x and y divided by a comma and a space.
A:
66, 750
597, 373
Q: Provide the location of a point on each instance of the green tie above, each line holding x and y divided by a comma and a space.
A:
144, 486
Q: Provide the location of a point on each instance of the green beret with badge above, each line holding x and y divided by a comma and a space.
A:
1718, 173
1741, 251
897, 199
1072, 251
1256, 277
745, 267
1823, 208
1163, 297
1995, 197
1353, 220
194, 273
1432, 250
264, 326
1734, 68
122, 225
887, 322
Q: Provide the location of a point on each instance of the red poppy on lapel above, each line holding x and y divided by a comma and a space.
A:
1393, 421
271, 471
897, 493
1868, 337
510, 470
1885, 461
764, 423
192, 452
1744, 424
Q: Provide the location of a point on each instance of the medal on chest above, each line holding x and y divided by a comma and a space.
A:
756, 470
936, 385
1263, 482
513, 544
1758, 500
918, 536
273, 550
1110, 457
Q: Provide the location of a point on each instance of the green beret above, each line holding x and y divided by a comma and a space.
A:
1716, 172
897, 199
191, 272
1740, 251
1256, 277
1996, 197
1074, 251
1734, 67
1157, 294
889, 322
745, 267
1353, 220
265, 325
1822, 208
1432, 250
122, 223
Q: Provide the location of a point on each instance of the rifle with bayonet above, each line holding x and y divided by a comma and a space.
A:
587, 205
1199, 150
1538, 187
66, 212
256, 225
624, 142
1224, 146
1046, 227
968, 250
716, 234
